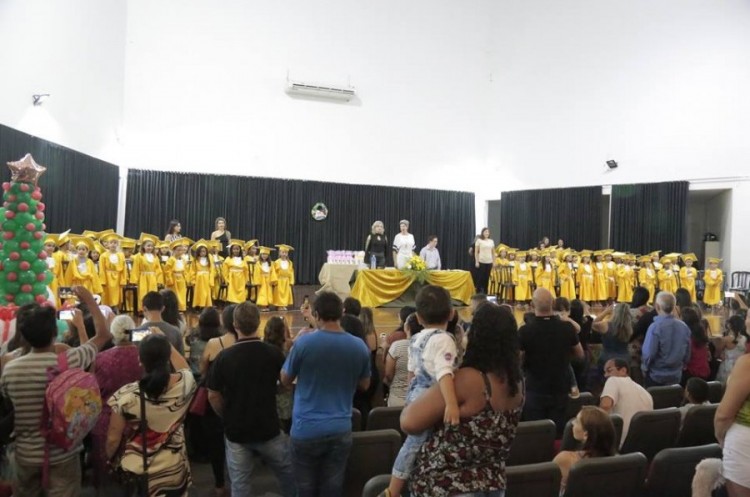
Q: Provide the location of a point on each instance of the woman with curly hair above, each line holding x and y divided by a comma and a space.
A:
490, 396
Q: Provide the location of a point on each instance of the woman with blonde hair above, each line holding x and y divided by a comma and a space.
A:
376, 245
616, 333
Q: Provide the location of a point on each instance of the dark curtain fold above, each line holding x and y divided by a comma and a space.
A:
647, 217
573, 214
80, 192
278, 211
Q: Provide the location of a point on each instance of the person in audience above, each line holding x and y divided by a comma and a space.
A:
24, 382
242, 390
309, 320
585, 321
623, 396
547, 344
209, 327
696, 394
350, 320
616, 333
561, 306
732, 429
682, 301
490, 396
700, 356
396, 371
153, 306
666, 350
167, 398
329, 365
430, 253
113, 369
171, 312
594, 429
731, 346
433, 356
277, 333
174, 231
398, 333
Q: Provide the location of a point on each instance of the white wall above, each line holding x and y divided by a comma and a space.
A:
718, 212
74, 50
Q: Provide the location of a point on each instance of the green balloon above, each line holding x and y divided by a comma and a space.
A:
24, 197
10, 246
10, 225
24, 236
10, 266
24, 218
39, 266
24, 298
40, 289
29, 256
12, 287
27, 278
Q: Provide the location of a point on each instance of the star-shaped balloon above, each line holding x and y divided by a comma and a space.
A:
26, 170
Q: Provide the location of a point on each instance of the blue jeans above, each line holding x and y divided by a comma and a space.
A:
407, 455
275, 453
320, 463
546, 406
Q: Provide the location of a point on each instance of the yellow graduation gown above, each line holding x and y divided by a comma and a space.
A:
567, 280
113, 276
82, 273
545, 278
586, 283
647, 279
55, 268
236, 274
522, 281
601, 286
282, 292
176, 277
61, 261
265, 277
147, 274
714, 279
611, 270
203, 278
667, 280
625, 283
687, 280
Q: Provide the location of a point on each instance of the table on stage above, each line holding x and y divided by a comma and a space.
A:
390, 287
336, 277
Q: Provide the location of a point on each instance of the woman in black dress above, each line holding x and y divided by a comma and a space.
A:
377, 245
222, 235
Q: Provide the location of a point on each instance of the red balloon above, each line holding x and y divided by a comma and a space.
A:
38, 235
6, 186
11, 276
25, 245
41, 277
24, 187
44, 226
10, 214
14, 256
10, 298
8, 235
41, 299
39, 215
40, 206
23, 207
37, 195
30, 227
43, 255
11, 198
26, 288
24, 266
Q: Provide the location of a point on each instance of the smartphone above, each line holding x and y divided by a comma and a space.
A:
65, 292
729, 295
306, 301
66, 315
492, 298
138, 335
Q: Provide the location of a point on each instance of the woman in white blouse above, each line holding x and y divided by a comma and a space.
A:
403, 245
484, 250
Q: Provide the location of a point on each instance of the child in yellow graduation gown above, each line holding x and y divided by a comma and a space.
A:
235, 273
601, 285
625, 275
265, 278
177, 272
146, 272
112, 271
522, 278
546, 274
214, 247
81, 270
566, 272
63, 257
647, 277
202, 275
611, 272
666, 276
714, 279
688, 274
54, 267
282, 292
585, 277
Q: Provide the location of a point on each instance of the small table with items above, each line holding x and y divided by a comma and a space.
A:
392, 288
336, 278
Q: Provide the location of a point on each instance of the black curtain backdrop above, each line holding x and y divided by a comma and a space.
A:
278, 211
80, 192
573, 214
647, 217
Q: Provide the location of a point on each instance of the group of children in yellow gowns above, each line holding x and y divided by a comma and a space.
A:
609, 277
105, 264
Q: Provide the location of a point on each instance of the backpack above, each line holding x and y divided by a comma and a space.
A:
72, 404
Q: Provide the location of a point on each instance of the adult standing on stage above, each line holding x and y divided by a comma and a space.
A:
174, 232
377, 244
484, 249
403, 245
222, 235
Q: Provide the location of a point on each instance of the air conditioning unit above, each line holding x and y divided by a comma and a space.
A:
321, 91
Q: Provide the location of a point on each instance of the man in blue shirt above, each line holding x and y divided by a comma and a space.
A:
666, 349
329, 365
430, 253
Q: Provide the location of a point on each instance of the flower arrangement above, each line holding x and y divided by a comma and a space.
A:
416, 268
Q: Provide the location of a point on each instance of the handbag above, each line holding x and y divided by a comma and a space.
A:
200, 402
137, 484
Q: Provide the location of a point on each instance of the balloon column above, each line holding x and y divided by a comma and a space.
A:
23, 267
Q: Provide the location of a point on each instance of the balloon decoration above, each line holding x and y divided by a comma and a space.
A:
23, 271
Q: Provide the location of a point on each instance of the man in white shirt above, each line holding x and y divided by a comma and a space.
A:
430, 253
623, 396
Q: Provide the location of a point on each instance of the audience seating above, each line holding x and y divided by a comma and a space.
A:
667, 396
616, 476
715, 391
534, 443
373, 453
537, 480
570, 443
672, 470
740, 282
376, 485
356, 419
574, 405
652, 431
698, 427
383, 418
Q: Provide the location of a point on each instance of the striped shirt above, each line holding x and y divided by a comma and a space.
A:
24, 381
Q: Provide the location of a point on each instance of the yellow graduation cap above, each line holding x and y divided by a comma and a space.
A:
85, 241
265, 250
214, 244
50, 238
93, 235
674, 256
250, 243
127, 243
600, 253
689, 257
585, 253
655, 253
520, 254
236, 241
108, 237
714, 260
618, 255
104, 233
180, 242
200, 243
533, 252
282, 246
98, 247
145, 237
63, 238
501, 247
644, 258
162, 245
666, 260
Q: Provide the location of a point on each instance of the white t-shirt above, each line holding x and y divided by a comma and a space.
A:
399, 351
439, 357
628, 398
485, 248
404, 246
